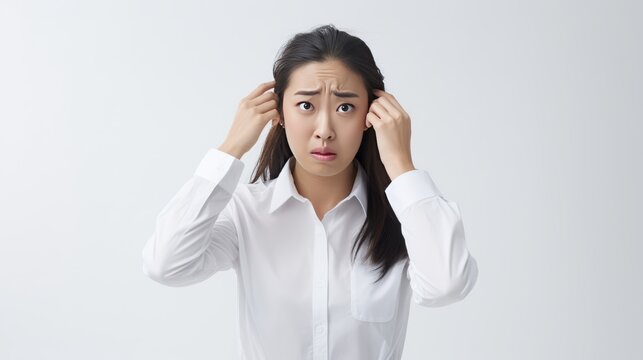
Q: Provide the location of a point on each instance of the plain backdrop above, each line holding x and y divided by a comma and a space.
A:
527, 114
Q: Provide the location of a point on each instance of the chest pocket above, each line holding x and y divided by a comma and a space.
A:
371, 301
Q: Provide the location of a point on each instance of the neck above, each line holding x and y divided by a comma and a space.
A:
324, 192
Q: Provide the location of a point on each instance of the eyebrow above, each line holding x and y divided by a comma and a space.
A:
341, 94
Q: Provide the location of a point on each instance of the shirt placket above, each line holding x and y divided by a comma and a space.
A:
320, 294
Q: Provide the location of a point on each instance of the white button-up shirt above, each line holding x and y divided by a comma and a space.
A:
299, 296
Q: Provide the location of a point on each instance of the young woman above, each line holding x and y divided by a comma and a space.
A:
342, 231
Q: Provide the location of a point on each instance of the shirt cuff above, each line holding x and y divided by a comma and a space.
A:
221, 168
410, 187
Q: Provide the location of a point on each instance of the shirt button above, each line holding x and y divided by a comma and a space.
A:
320, 329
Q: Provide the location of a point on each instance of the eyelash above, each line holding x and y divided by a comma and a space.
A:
308, 102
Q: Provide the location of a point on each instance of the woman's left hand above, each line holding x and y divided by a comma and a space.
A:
393, 132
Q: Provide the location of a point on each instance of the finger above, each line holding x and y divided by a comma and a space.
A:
388, 97
378, 110
391, 109
271, 115
267, 106
263, 98
372, 119
379, 93
261, 89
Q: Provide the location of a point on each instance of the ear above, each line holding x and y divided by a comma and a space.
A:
367, 123
276, 120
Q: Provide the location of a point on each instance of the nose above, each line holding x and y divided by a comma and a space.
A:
324, 129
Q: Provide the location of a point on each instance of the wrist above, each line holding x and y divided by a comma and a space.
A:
400, 169
230, 150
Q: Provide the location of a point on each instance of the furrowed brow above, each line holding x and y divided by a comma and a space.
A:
341, 94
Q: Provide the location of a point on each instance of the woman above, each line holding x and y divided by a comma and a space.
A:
342, 231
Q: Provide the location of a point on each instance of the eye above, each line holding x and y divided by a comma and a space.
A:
342, 106
304, 102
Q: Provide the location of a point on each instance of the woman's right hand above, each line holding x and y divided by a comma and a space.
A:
253, 113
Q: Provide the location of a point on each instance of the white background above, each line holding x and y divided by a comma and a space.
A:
527, 114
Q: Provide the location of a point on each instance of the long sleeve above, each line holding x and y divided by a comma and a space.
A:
195, 235
441, 270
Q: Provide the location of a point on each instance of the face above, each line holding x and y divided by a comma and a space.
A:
324, 119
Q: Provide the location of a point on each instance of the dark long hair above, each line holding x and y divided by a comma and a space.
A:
381, 230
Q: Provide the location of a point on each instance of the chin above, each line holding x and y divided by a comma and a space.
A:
326, 168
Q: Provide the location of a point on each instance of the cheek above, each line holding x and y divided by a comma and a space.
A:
352, 135
297, 129
357, 127
297, 135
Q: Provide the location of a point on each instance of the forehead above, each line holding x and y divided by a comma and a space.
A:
327, 75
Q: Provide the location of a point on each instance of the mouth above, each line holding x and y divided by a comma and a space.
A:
323, 151
324, 157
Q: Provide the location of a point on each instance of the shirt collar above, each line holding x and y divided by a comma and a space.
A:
284, 187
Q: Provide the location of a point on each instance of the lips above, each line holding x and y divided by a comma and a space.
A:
323, 151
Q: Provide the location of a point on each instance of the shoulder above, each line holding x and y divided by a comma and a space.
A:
253, 194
